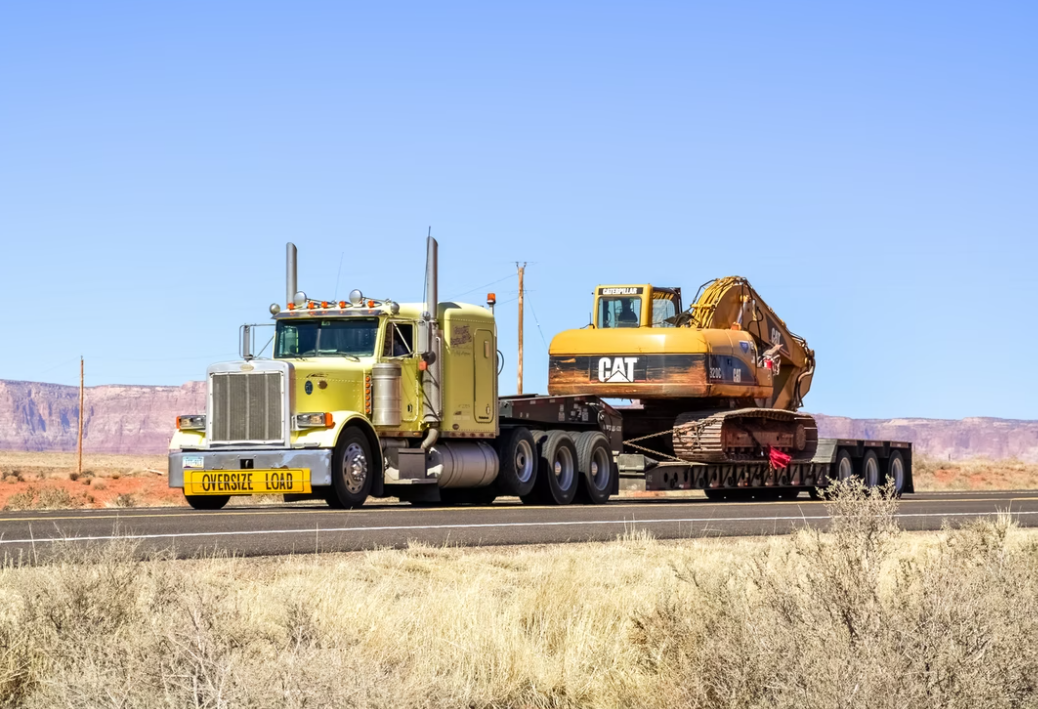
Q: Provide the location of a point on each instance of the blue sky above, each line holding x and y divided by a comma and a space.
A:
870, 167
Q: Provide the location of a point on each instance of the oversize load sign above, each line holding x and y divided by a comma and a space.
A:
246, 482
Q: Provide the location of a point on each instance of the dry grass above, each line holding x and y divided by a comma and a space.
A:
861, 616
974, 474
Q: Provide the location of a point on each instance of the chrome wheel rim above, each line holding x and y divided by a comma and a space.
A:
600, 465
355, 468
524, 461
897, 473
565, 468
846, 471
871, 472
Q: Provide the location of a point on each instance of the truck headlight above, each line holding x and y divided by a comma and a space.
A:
194, 422
317, 420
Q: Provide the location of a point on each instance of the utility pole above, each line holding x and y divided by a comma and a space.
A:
79, 444
522, 269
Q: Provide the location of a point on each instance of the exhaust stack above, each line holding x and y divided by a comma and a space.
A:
290, 272
430, 345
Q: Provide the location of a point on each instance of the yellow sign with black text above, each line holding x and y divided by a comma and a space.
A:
246, 482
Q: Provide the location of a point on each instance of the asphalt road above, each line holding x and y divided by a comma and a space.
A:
295, 529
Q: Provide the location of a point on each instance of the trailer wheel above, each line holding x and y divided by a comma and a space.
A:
518, 456
557, 482
896, 472
352, 470
207, 502
596, 468
843, 468
870, 469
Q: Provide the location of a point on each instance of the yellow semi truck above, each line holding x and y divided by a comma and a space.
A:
368, 397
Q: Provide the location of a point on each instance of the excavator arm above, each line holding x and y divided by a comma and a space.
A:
731, 302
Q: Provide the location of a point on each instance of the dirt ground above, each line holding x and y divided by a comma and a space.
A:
49, 480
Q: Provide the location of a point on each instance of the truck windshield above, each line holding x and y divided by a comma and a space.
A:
349, 337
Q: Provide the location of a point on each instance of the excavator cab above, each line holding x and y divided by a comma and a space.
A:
636, 306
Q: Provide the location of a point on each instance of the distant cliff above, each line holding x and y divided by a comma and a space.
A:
944, 438
118, 419
141, 419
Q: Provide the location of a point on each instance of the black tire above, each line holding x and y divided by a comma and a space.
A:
896, 472
595, 467
558, 480
871, 473
518, 456
207, 502
843, 467
353, 470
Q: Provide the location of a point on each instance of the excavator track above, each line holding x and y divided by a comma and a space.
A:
744, 435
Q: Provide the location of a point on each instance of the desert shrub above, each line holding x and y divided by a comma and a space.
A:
23, 500
125, 499
13, 476
45, 498
99, 484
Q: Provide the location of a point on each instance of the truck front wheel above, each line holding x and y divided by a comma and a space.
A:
207, 502
352, 470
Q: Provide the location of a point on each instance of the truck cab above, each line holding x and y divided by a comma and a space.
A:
390, 377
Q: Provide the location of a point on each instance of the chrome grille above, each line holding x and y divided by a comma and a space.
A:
247, 407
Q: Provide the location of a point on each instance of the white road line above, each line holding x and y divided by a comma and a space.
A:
505, 525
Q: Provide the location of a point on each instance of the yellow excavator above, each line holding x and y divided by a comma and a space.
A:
719, 382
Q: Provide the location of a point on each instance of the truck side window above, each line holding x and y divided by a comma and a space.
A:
662, 308
399, 340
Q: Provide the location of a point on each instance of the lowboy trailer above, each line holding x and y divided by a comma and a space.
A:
373, 398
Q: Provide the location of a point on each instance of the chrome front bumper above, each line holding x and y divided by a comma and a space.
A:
318, 461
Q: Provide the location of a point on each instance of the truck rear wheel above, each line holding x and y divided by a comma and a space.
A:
596, 468
518, 456
843, 468
870, 469
557, 481
896, 472
352, 470
207, 502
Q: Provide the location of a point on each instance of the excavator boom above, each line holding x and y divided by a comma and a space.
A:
731, 302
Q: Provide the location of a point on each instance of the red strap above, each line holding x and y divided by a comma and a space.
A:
778, 459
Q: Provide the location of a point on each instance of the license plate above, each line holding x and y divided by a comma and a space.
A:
246, 482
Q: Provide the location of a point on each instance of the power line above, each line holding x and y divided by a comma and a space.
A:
538, 322
485, 285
